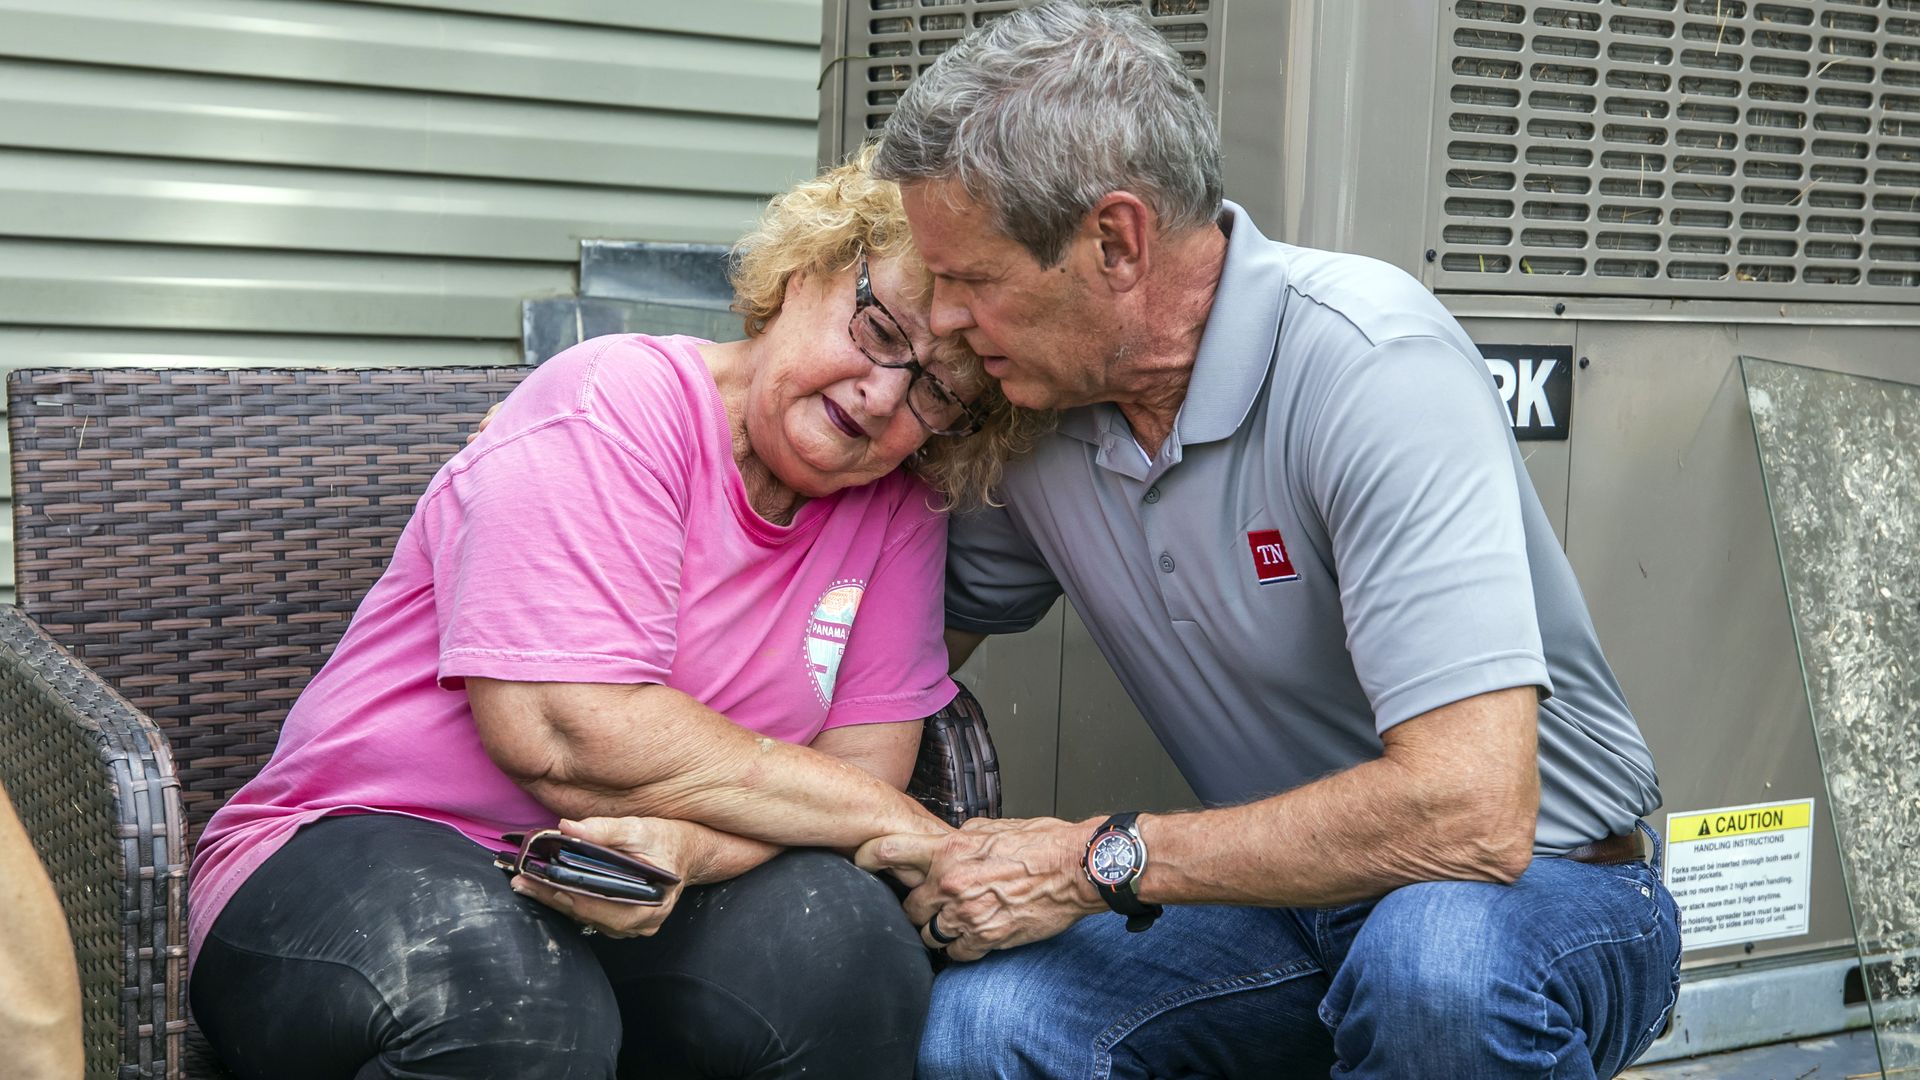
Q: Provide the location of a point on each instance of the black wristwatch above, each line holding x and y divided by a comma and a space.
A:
1116, 857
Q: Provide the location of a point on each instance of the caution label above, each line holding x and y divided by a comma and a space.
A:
1741, 873
1738, 821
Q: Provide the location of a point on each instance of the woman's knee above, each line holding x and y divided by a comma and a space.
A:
806, 962
408, 948
837, 930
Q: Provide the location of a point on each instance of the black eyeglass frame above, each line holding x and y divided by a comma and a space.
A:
863, 299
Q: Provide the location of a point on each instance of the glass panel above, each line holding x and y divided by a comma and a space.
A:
1840, 456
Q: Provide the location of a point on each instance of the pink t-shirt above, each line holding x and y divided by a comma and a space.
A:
597, 532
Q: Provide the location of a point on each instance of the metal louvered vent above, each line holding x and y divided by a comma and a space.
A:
890, 41
1684, 148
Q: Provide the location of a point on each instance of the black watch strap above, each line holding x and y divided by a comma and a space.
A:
1117, 881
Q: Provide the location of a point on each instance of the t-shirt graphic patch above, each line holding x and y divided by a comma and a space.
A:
1270, 562
827, 631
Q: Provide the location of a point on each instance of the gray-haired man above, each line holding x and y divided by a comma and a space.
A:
1288, 506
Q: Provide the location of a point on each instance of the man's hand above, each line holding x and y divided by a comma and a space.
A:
994, 884
666, 844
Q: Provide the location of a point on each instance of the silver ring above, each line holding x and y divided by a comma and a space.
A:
588, 931
933, 931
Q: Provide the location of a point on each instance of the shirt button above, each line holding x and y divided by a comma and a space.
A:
1166, 563
1153, 495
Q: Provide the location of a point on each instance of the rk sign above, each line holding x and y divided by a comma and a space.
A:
1536, 383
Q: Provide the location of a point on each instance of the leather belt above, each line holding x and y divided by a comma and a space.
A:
1610, 850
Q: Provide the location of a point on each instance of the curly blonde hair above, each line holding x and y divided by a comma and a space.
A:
822, 226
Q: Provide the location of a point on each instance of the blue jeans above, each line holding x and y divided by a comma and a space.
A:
1567, 973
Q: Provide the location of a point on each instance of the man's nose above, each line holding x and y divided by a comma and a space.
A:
950, 313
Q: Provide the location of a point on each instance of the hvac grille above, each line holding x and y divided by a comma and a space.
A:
891, 41
1702, 148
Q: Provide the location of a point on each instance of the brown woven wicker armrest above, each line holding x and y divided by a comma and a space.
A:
93, 782
956, 775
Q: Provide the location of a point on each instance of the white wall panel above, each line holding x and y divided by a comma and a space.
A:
218, 118
376, 45
793, 22
92, 197
186, 288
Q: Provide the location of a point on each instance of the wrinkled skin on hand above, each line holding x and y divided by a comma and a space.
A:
658, 841
995, 884
484, 421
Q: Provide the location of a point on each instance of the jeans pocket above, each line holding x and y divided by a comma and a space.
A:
1652, 1033
1668, 913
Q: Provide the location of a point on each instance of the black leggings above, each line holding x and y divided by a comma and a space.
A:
377, 946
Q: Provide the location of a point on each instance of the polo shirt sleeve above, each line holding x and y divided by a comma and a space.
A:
556, 558
1410, 463
997, 581
895, 666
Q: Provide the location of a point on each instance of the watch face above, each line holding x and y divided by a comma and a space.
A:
1111, 860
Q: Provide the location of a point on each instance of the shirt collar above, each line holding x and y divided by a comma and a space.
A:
1236, 348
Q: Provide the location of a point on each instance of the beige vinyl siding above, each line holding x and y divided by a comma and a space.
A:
366, 182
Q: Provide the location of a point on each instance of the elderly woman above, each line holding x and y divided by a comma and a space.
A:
684, 598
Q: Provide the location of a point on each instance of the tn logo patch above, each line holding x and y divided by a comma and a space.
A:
1270, 562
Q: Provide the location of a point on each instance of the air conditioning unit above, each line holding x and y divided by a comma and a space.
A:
1617, 199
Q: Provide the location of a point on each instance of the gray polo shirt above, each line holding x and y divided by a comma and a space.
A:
1339, 535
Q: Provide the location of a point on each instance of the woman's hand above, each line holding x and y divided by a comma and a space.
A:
485, 420
669, 845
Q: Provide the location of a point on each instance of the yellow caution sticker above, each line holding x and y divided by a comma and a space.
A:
1739, 821
1741, 873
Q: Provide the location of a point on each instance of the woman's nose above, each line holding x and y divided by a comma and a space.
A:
885, 388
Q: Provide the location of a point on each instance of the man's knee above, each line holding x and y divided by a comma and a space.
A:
1498, 980
1430, 950
980, 1023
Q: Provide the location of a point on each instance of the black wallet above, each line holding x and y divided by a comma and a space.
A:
581, 866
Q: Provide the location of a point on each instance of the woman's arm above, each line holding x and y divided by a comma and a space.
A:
699, 853
600, 750
887, 751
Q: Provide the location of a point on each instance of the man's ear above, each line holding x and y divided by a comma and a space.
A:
1123, 226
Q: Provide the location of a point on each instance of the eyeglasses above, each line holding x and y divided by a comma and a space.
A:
581, 866
878, 334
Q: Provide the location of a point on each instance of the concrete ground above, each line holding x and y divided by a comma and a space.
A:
1847, 1056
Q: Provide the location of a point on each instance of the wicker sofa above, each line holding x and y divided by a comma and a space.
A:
190, 544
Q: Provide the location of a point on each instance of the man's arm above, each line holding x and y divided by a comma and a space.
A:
960, 646
39, 985
1454, 796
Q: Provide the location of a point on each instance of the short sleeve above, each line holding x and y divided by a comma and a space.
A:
895, 666
997, 581
1411, 465
556, 558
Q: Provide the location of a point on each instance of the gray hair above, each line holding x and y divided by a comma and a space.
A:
1042, 112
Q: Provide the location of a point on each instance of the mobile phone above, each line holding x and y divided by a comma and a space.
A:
604, 885
585, 861
588, 855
